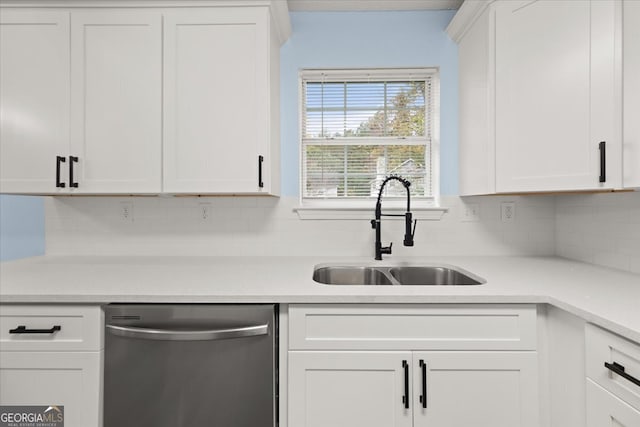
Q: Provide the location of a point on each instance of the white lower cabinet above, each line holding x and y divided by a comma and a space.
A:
492, 389
68, 380
52, 356
613, 372
435, 375
348, 389
369, 389
606, 410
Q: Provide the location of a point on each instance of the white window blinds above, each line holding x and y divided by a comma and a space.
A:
359, 126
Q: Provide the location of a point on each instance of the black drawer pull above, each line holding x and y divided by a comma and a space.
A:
423, 396
23, 330
260, 160
619, 369
72, 160
405, 398
59, 159
603, 161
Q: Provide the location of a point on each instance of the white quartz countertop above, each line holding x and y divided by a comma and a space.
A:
607, 297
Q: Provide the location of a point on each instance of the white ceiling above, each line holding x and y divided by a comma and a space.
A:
340, 5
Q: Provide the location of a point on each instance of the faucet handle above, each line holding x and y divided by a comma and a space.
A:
409, 233
373, 224
386, 249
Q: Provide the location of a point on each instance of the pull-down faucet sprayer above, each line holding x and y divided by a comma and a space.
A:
375, 223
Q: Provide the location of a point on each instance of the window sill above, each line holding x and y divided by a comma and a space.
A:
431, 213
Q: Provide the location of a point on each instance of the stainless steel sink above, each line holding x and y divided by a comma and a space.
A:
421, 275
435, 276
349, 275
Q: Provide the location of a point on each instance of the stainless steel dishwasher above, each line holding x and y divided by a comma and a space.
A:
190, 365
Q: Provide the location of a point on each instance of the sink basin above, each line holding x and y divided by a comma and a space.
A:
347, 275
435, 276
438, 275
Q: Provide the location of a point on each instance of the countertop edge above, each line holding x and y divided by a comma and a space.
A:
584, 314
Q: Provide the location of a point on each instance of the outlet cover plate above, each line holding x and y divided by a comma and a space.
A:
470, 212
508, 211
126, 211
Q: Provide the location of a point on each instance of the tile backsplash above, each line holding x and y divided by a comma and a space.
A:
601, 229
257, 226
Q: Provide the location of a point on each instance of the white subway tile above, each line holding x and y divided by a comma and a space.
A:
265, 225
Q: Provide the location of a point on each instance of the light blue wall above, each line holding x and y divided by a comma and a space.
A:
21, 227
369, 39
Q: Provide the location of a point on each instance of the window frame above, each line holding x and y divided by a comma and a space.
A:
425, 207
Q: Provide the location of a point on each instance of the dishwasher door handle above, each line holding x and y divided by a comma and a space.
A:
180, 335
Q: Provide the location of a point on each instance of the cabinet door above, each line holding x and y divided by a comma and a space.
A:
606, 410
476, 107
72, 380
34, 100
348, 389
116, 101
476, 389
555, 95
216, 99
631, 93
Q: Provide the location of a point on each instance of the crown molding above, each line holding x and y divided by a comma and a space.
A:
465, 17
368, 5
279, 8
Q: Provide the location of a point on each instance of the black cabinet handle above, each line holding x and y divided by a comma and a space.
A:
260, 160
23, 330
603, 161
619, 369
59, 159
405, 398
423, 396
72, 160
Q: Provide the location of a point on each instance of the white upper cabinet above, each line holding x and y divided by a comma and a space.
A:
34, 100
555, 96
116, 91
112, 99
217, 101
476, 101
541, 98
631, 93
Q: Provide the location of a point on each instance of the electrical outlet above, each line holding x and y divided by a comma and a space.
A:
204, 211
508, 211
126, 211
471, 212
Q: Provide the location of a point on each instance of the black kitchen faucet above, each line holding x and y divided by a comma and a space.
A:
375, 223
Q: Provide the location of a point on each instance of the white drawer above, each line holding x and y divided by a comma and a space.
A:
605, 347
412, 327
80, 328
606, 410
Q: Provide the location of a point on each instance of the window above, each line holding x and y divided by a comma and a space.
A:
359, 126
